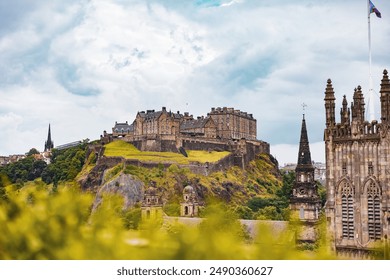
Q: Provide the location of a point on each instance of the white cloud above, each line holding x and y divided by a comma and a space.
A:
84, 65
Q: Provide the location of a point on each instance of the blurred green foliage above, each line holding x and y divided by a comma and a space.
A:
39, 223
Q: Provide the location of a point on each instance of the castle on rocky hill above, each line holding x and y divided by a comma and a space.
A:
223, 129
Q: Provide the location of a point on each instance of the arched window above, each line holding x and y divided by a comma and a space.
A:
374, 211
347, 213
186, 210
147, 214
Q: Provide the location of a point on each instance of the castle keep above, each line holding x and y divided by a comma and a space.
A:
357, 172
223, 129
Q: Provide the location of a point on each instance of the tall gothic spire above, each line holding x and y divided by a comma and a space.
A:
49, 143
304, 157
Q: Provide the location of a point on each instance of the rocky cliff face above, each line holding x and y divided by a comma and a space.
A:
125, 185
234, 185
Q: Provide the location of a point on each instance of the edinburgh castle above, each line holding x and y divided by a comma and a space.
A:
223, 129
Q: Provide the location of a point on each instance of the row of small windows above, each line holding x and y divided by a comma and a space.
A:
305, 178
373, 211
370, 168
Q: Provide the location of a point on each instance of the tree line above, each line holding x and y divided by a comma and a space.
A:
65, 165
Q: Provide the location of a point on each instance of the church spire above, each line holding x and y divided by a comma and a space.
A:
49, 143
304, 157
304, 199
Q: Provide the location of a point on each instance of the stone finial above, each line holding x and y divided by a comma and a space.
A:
329, 92
345, 103
385, 84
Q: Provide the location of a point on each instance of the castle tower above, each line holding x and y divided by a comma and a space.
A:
190, 206
151, 208
305, 200
358, 178
49, 143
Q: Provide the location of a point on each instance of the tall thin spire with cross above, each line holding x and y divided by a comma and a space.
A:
49, 143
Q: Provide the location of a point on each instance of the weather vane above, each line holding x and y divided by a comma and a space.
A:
303, 107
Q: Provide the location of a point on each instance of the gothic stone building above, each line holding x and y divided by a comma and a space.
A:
357, 173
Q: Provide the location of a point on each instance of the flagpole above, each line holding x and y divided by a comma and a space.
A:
370, 90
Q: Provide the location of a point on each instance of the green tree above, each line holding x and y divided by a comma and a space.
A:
32, 151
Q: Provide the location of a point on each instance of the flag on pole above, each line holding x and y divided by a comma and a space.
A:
373, 9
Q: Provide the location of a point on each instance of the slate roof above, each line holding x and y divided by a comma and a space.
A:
151, 114
123, 128
192, 124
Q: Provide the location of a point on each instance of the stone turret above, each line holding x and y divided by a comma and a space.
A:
358, 106
345, 112
330, 104
385, 98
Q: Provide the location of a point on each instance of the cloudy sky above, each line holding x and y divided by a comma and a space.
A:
82, 65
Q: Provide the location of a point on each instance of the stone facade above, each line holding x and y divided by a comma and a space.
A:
151, 208
357, 173
189, 207
221, 123
223, 129
233, 124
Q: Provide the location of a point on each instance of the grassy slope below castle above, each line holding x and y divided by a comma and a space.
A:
128, 151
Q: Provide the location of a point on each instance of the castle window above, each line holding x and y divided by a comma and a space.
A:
186, 210
347, 213
374, 211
